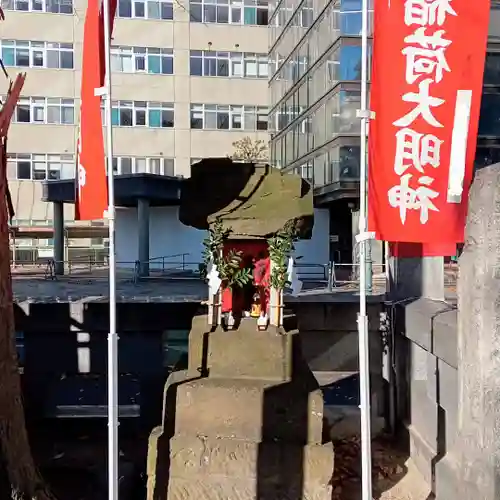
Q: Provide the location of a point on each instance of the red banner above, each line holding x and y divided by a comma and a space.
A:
427, 77
410, 250
91, 199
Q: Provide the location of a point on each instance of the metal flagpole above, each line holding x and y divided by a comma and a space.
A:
363, 237
113, 452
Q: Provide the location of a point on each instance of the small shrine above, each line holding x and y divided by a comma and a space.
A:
244, 419
253, 215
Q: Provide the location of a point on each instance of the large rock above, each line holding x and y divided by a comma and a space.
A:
234, 432
254, 200
477, 451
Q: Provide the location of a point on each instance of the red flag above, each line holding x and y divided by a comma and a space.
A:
407, 250
92, 196
427, 77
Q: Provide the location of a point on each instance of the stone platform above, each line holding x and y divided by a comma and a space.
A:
243, 421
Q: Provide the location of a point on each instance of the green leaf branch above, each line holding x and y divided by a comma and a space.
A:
229, 266
281, 245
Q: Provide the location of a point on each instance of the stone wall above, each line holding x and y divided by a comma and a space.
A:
426, 382
52, 338
330, 343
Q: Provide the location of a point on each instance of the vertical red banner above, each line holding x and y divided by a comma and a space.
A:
427, 78
91, 199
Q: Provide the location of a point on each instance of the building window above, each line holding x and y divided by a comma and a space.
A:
56, 111
53, 6
349, 159
146, 9
350, 62
142, 60
29, 54
489, 118
224, 117
228, 64
128, 165
492, 69
351, 17
39, 167
141, 114
249, 12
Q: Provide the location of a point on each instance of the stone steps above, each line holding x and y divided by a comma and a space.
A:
257, 410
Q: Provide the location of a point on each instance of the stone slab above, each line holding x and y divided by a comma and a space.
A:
256, 410
227, 469
242, 353
194, 456
231, 489
335, 317
422, 454
447, 478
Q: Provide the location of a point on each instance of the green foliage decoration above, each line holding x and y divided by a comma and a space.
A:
229, 266
281, 245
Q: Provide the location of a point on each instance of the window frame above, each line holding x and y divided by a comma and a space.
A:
162, 8
166, 165
211, 61
165, 109
236, 12
43, 4
40, 166
34, 104
222, 114
32, 50
140, 60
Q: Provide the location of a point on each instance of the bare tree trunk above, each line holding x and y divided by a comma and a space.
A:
23, 476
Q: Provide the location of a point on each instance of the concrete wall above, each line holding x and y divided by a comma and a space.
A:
168, 236
53, 342
427, 379
330, 344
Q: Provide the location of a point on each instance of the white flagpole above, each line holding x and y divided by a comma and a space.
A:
113, 452
364, 366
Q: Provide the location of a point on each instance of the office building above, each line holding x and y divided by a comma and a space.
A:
189, 79
315, 72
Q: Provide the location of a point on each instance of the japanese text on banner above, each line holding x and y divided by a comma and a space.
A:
426, 84
418, 151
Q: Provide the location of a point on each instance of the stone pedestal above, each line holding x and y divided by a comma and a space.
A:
244, 421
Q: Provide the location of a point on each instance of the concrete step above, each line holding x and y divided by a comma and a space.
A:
201, 457
243, 353
255, 410
221, 488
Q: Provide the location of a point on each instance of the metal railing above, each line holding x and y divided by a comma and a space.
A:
173, 267
86, 269
334, 275
178, 267
89, 268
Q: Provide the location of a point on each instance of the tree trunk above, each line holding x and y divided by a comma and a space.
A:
22, 474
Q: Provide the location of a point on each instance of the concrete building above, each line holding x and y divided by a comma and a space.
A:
190, 78
315, 71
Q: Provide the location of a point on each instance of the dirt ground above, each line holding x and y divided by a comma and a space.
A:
394, 476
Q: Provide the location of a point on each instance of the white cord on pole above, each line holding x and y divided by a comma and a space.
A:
364, 363
113, 452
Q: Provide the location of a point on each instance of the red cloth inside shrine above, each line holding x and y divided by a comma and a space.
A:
256, 253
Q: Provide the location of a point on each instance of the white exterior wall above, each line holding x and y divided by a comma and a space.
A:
168, 237
315, 252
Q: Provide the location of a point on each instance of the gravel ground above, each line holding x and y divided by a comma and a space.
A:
394, 476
